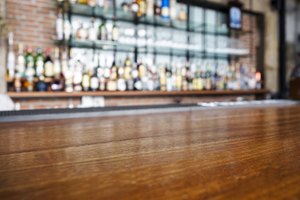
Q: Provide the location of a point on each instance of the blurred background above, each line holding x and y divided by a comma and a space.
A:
97, 53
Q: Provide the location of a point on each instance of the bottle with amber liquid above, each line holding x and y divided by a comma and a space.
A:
128, 74
18, 82
112, 81
85, 80
84, 2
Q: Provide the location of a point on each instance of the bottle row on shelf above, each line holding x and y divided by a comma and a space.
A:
40, 71
166, 9
110, 33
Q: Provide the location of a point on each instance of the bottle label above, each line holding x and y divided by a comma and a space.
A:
85, 81
121, 85
39, 68
94, 83
49, 69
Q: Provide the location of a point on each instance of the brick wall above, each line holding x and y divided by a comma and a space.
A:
249, 37
2, 52
32, 21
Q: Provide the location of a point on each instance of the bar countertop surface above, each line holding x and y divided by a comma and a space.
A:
236, 153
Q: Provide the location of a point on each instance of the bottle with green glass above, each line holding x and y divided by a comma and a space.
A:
39, 62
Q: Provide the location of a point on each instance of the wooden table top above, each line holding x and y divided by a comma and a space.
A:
244, 153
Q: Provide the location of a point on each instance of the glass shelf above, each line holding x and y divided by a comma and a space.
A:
156, 48
155, 21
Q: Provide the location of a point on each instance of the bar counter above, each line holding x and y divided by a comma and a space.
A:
236, 153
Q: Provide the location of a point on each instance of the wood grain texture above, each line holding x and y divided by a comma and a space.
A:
251, 153
133, 93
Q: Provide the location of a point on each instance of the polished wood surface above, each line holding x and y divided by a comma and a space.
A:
242, 153
132, 93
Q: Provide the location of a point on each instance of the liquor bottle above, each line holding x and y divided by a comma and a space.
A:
151, 78
69, 81
125, 6
114, 71
157, 7
49, 68
107, 4
137, 83
169, 79
18, 82
150, 8
77, 77
184, 74
30, 71
182, 13
163, 78
99, 69
92, 32
115, 32
173, 78
56, 63
120, 71
64, 62
258, 80
20, 68
195, 81
107, 70
200, 81
112, 78
208, 79
72, 1
85, 80
173, 9
94, 84
165, 9
68, 71
28, 84
41, 85
60, 25
121, 82
178, 78
10, 58
67, 29
142, 8
39, 62
81, 32
85, 2
128, 74
142, 71
101, 3
134, 7
92, 3
102, 33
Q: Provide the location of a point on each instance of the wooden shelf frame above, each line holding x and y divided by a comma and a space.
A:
25, 95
